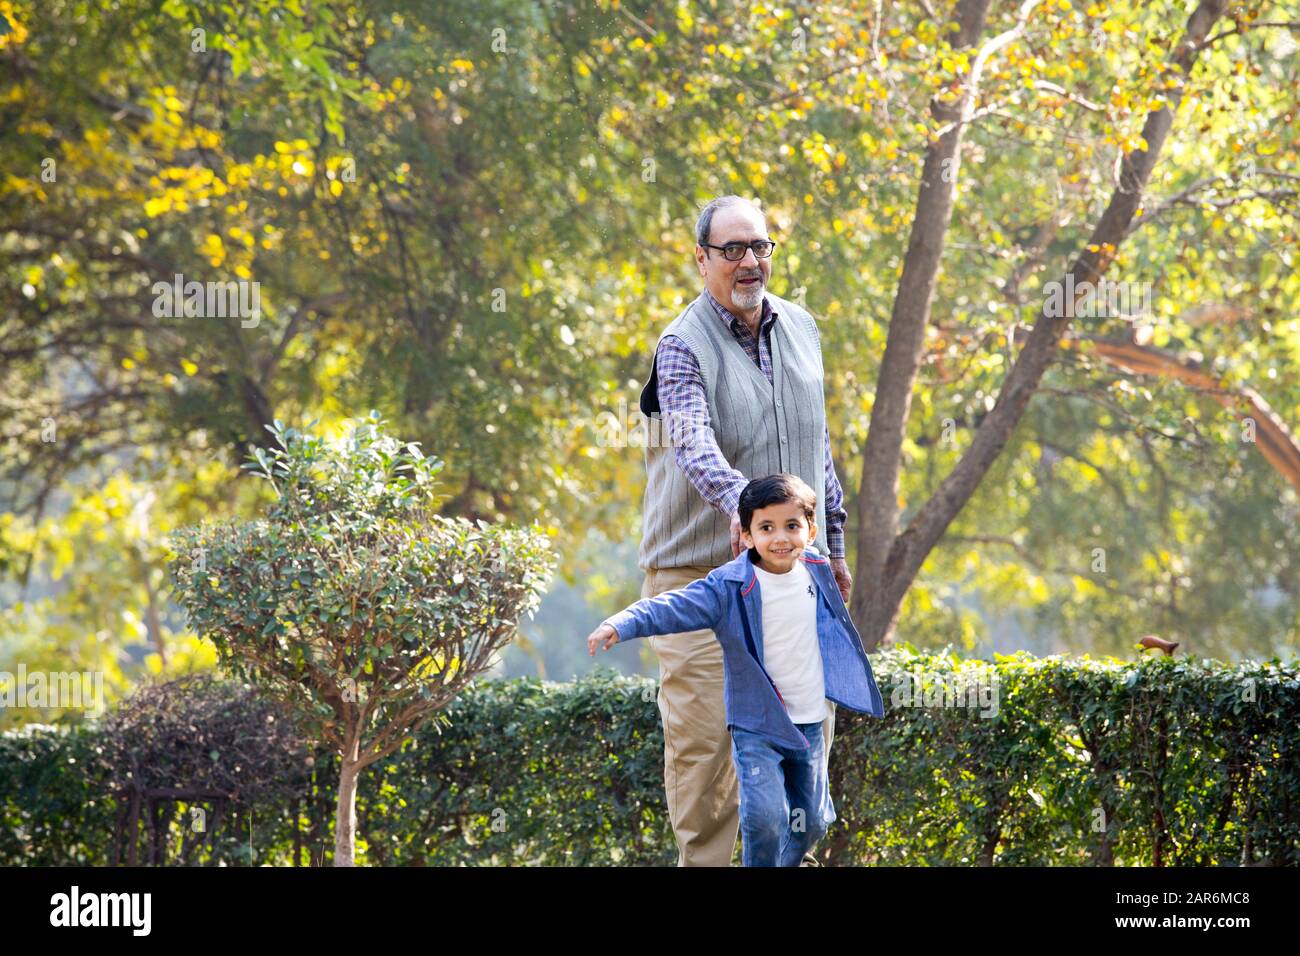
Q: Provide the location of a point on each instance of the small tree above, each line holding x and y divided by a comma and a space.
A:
352, 601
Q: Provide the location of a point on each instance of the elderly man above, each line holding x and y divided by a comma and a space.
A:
737, 381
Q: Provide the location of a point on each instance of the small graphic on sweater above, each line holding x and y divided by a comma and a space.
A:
810, 591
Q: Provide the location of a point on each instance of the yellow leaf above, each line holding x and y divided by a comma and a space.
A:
213, 249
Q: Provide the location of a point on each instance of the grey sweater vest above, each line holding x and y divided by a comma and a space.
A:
761, 428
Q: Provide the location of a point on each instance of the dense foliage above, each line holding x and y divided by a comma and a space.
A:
476, 217
1085, 762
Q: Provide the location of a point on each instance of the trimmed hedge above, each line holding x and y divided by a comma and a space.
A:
1169, 761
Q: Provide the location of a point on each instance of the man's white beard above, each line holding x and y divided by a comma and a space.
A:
748, 298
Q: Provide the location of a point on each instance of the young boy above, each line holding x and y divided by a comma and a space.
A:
787, 644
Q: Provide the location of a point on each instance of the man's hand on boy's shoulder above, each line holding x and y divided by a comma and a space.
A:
605, 633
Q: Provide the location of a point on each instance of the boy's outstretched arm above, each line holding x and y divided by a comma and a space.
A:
693, 607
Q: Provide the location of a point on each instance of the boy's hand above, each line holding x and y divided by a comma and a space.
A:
603, 633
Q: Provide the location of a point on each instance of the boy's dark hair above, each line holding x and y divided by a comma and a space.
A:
775, 490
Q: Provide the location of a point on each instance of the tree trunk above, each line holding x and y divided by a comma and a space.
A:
345, 822
877, 500
888, 561
152, 620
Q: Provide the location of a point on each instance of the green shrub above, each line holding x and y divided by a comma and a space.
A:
1085, 762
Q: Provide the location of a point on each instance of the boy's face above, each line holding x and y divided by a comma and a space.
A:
780, 532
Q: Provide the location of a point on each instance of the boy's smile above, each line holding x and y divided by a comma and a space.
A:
780, 533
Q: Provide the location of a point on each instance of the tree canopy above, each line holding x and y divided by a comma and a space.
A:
476, 217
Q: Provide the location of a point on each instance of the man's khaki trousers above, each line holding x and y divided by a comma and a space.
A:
699, 779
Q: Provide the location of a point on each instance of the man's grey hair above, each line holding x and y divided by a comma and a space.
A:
705, 222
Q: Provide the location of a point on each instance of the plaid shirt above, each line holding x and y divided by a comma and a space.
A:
682, 397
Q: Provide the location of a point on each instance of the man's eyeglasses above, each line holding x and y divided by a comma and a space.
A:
735, 251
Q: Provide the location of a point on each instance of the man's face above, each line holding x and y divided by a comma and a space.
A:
726, 281
780, 532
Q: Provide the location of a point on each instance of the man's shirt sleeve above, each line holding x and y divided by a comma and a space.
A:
836, 514
685, 410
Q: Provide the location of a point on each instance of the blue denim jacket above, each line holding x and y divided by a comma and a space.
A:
728, 602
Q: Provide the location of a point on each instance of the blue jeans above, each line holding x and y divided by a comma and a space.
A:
785, 802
